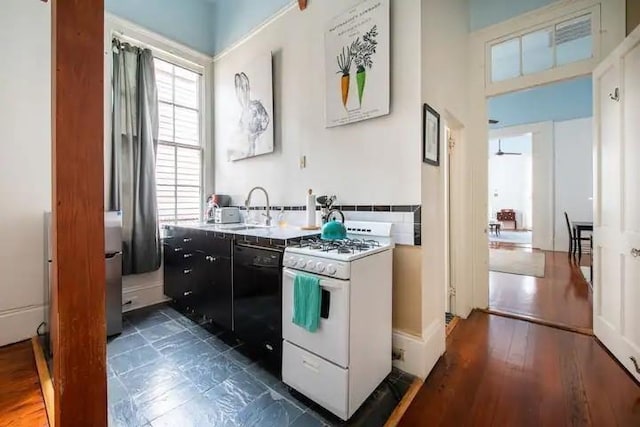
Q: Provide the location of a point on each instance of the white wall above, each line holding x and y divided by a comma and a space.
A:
562, 173
542, 178
374, 161
25, 164
510, 179
444, 30
574, 176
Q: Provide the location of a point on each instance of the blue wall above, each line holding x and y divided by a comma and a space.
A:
567, 100
484, 13
235, 18
189, 22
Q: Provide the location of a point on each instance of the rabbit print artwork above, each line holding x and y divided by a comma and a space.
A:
253, 134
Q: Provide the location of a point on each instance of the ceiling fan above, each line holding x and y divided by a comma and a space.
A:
505, 153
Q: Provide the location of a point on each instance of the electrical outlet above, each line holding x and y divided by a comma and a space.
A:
303, 162
397, 354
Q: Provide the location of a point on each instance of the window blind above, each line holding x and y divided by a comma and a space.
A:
179, 157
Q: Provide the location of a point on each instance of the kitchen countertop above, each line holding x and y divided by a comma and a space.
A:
259, 232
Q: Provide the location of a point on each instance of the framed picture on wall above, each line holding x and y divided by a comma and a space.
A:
430, 136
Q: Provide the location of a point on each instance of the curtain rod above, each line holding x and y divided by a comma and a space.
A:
122, 37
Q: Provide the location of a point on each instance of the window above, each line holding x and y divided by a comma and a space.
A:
564, 43
179, 159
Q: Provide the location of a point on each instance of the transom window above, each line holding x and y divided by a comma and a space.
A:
179, 158
564, 43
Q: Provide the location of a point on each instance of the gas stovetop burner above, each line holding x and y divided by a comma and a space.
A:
344, 246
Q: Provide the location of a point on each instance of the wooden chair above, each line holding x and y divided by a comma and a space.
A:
573, 240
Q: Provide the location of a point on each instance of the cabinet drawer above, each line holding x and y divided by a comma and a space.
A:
208, 243
319, 380
181, 238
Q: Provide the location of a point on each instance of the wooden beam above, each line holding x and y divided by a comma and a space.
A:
633, 15
78, 297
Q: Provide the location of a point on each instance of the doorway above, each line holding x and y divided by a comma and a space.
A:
510, 194
539, 167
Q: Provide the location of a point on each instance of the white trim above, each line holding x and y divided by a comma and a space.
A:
420, 353
413, 349
474, 252
19, 324
143, 296
256, 30
172, 50
556, 71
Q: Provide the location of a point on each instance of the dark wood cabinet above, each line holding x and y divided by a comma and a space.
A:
197, 273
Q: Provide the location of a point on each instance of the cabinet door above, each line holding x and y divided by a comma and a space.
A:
217, 290
172, 266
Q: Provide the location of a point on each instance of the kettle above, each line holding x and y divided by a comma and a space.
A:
334, 230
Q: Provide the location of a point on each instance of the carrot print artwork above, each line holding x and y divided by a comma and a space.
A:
344, 67
362, 52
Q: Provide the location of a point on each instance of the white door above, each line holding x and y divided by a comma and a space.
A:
616, 283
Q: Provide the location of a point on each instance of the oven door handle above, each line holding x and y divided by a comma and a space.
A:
324, 283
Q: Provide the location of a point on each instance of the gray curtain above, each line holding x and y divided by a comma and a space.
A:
134, 141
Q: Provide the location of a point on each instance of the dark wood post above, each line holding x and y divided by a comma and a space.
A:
78, 297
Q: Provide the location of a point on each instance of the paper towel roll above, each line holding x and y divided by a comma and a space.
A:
311, 209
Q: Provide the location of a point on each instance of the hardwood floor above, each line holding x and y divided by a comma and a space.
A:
21, 402
561, 297
505, 372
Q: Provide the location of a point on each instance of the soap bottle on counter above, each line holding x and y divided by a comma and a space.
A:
281, 218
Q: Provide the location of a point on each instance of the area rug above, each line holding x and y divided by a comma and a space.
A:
517, 262
515, 237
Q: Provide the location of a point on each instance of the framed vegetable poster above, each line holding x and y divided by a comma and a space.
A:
430, 136
357, 64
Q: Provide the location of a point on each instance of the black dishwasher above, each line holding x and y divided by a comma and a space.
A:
257, 299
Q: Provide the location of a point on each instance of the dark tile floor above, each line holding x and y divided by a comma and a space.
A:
167, 369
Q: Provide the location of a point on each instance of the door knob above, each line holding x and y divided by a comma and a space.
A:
635, 252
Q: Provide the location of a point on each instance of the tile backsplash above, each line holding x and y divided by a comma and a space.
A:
406, 219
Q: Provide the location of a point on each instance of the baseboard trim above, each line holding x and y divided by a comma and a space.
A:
46, 384
134, 298
420, 354
20, 324
452, 324
407, 399
435, 343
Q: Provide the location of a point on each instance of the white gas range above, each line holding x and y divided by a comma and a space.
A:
340, 365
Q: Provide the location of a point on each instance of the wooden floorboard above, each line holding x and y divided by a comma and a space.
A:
543, 322
499, 371
21, 402
561, 297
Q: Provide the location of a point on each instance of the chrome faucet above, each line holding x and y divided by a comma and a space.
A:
266, 195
